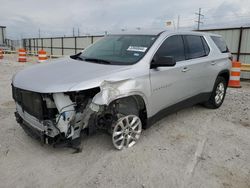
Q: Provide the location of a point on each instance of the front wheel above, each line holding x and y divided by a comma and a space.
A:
126, 132
218, 94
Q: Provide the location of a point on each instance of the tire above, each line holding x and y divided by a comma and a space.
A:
218, 94
126, 130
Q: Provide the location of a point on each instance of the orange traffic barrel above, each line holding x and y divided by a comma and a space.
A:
42, 56
235, 75
1, 53
22, 55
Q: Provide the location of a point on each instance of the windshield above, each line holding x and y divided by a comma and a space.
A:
118, 49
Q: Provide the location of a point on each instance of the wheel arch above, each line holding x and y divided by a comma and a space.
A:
138, 101
225, 74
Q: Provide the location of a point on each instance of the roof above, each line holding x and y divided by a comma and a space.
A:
137, 32
200, 32
164, 33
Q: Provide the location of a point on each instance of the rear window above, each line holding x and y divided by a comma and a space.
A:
220, 43
196, 47
205, 45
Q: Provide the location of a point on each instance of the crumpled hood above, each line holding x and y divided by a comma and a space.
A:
67, 75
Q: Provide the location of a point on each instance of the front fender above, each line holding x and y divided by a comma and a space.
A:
113, 90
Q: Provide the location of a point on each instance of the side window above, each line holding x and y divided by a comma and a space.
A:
220, 43
205, 46
172, 46
195, 47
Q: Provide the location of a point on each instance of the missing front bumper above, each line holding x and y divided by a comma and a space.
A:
31, 131
39, 135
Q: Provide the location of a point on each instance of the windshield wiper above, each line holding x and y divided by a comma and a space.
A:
79, 57
98, 60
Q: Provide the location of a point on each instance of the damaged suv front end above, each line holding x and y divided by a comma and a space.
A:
54, 118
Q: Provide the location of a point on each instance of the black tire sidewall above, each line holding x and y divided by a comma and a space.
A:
212, 98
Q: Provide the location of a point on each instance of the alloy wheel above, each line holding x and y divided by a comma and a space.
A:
220, 91
126, 132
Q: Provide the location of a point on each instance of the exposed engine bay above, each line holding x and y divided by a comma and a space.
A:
59, 118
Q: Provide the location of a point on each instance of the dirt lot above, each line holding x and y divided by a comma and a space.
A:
195, 147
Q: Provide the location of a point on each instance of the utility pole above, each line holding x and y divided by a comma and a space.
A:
174, 25
39, 33
199, 19
73, 31
178, 22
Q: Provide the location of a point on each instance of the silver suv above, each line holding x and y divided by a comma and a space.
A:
121, 84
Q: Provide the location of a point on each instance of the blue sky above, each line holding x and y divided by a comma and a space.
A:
58, 17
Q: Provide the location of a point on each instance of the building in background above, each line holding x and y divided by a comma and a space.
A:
2, 35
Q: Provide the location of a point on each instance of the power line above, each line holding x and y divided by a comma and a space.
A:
216, 19
199, 19
228, 16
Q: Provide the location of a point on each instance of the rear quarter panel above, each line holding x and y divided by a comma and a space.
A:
221, 60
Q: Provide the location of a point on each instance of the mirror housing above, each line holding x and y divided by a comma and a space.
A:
163, 61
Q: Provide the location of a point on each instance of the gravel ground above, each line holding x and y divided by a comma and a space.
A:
195, 147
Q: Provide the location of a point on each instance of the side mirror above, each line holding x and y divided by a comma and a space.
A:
163, 61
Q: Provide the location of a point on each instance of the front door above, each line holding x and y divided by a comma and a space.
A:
169, 85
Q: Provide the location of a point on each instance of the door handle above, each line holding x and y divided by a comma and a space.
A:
213, 63
185, 69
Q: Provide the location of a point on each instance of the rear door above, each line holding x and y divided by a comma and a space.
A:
199, 65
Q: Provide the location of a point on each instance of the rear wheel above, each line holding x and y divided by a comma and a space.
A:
218, 94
